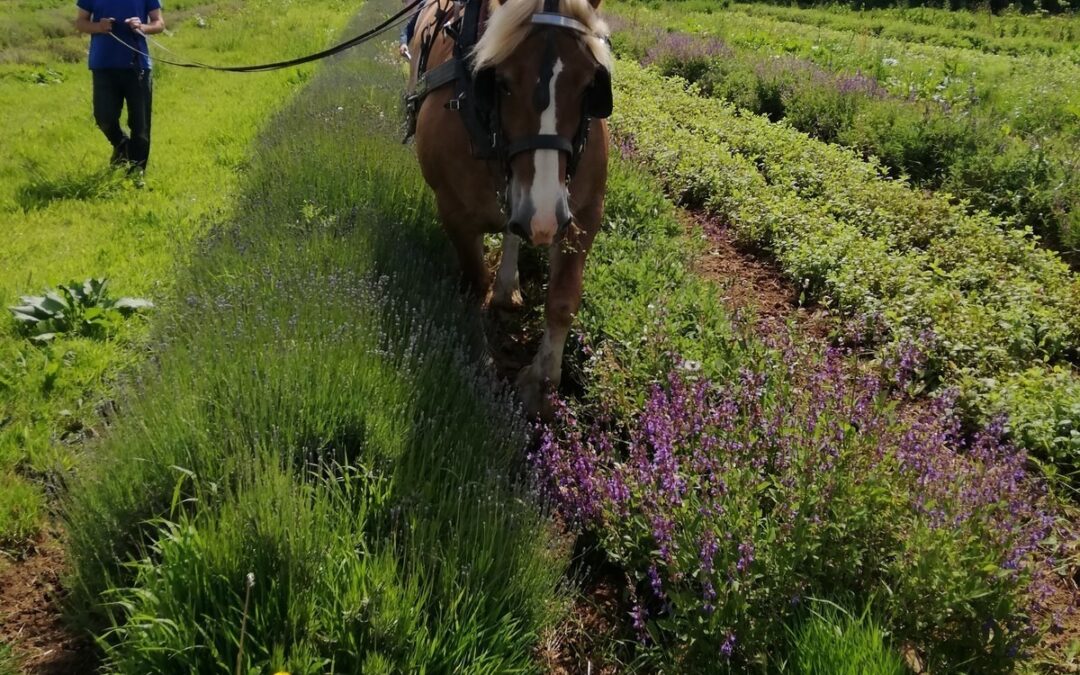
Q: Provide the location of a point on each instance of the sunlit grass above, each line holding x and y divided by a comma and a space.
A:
318, 414
66, 216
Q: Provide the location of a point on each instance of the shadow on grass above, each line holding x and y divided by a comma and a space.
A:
41, 190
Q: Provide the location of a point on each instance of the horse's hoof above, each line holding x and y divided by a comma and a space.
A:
535, 394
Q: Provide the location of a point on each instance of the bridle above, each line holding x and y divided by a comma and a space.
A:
597, 103
477, 100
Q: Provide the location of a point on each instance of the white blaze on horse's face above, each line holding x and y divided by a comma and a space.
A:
544, 204
548, 192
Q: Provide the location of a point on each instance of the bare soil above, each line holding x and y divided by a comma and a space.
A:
31, 617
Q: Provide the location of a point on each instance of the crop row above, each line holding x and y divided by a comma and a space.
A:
742, 485
990, 305
1032, 6
959, 80
316, 473
1010, 33
971, 156
956, 121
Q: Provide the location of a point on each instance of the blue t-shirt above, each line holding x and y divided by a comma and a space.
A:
106, 52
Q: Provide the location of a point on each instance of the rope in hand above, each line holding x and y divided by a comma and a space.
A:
386, 25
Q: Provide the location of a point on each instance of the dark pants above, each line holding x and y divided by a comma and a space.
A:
112, 89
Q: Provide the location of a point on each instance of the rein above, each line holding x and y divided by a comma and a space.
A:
360, 39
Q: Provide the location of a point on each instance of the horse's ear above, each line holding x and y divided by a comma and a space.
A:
595, 4
598, 101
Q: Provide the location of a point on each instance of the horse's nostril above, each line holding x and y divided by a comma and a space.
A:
516, 228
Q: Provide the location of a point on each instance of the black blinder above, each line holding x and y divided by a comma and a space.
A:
484, 89
598, 102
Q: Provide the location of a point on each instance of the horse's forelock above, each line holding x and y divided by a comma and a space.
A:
509, 25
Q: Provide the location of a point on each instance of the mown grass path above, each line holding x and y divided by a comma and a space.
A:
65, 217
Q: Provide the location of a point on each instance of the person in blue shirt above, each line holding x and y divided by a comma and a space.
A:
408, 30
121, 75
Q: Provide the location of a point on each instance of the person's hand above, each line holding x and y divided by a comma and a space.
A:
403, 49
105, 25
134, 23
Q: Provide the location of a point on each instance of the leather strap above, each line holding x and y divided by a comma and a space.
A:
539, 142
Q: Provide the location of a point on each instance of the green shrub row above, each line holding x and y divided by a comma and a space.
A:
1026, 6
1009, 33
972, 156
318, 416
964, 81
907, 265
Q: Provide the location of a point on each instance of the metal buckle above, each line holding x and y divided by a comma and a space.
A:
453, 104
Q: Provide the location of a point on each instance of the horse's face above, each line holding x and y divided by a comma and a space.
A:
542, 89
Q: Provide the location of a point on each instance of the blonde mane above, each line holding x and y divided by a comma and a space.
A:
509, 26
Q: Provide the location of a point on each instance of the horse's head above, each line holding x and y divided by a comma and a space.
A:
543, 67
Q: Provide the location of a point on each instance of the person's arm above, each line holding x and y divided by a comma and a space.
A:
83, 24
155, 26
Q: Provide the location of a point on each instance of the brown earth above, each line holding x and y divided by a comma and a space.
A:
31, 618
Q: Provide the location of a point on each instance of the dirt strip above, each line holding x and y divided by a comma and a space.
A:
31, 618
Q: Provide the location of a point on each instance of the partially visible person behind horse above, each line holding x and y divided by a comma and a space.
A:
542, 73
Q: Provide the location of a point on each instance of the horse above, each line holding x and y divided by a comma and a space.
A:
540, 75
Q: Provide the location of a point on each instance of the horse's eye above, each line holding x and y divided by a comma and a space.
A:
503, 86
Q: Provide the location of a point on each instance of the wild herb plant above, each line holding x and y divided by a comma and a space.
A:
83, 310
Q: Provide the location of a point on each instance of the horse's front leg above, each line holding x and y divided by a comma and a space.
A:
507, 291
540, 378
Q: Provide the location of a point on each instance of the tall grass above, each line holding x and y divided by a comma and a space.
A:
830, 641
318, 414
7, 661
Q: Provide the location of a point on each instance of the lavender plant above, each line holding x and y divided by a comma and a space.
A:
729, 503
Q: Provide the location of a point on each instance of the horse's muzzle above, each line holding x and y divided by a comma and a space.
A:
516, 227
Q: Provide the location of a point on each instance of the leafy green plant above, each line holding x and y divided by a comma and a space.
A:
84, 310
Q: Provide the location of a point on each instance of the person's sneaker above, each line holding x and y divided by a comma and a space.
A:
138, 179
120, 153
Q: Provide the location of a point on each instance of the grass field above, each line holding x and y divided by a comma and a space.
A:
65, 217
